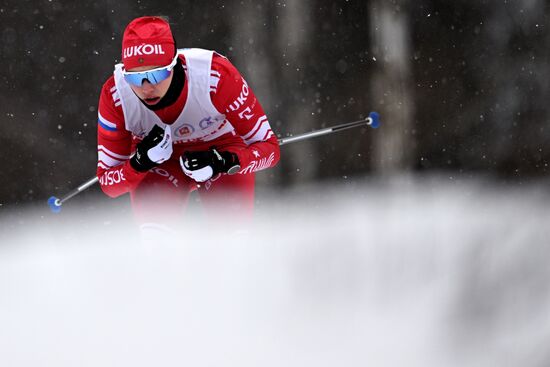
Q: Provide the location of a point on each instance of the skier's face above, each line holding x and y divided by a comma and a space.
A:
148, 92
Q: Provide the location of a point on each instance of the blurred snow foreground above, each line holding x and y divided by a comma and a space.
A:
400, 274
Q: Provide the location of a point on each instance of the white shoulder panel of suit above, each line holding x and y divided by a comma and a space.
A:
199, 119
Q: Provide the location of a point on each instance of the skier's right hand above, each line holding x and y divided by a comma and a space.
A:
154, 149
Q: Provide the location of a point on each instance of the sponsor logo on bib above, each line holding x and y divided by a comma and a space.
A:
185, 130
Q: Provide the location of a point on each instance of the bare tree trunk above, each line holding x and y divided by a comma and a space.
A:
273, 42
293, 44
392, 85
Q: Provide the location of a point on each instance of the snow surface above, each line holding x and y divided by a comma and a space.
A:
404, 273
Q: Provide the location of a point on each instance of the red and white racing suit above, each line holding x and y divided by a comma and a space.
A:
215, 108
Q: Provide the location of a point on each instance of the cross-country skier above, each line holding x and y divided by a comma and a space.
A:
171, 121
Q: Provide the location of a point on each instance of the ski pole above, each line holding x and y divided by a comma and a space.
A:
373, 120
55, 203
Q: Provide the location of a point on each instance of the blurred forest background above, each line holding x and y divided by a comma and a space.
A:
462, 86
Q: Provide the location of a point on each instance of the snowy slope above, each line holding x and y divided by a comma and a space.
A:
429, 273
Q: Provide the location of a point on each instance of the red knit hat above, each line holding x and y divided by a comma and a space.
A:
147, 41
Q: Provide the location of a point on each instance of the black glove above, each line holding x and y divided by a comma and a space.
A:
154, 149
202, 165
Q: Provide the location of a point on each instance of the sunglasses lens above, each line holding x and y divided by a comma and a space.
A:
153, 77
135, 79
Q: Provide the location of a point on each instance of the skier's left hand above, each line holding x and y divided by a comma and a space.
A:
202, 165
